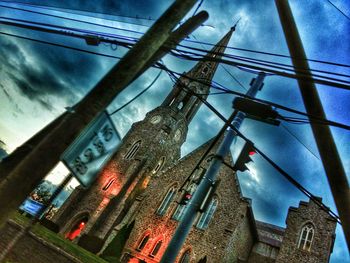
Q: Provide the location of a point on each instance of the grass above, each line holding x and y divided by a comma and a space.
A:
74, 250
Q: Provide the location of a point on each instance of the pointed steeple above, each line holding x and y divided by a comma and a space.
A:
204, 71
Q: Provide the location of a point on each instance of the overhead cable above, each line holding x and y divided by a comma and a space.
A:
138, 95
214, 84
273, 164
186, 40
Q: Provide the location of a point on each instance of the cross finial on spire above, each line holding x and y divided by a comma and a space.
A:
234, 26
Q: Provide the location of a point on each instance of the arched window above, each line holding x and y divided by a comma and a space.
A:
186, 256
143, 242
181, 208
306, 236
166, 201
159, 165
108, 184
156, 248
133, 150
179, 212
205, 218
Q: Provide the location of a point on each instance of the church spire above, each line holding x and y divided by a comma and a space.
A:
204, 70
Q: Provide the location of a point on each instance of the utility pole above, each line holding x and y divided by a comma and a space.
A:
207, 182
29, 172
328, 151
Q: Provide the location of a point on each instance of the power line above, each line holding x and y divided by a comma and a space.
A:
226, 70
283, 126
198, 6
272, 69
305, 77
72, 19
220, 87
261, 61
307, 121
162, 66
249, 60
59, 45
233, 77
241, 58
234, 63
158, 65
278, 168
138, 95
66, 31
273, 164
271, 54
223, 61
338, 9
298, 139
55, 8
187, 40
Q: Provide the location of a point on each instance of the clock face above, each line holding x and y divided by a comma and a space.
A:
156, 119
177, 135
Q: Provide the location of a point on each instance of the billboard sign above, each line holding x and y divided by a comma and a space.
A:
92, 149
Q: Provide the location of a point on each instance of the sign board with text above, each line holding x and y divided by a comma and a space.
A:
92, 149
32, 207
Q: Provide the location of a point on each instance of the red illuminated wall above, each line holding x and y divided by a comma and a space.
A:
162, 232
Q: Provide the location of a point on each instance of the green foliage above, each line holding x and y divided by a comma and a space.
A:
113, 251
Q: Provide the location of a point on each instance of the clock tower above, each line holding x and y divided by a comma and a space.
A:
150, 146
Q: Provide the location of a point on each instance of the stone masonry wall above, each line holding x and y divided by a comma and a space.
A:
323, 236
157, 141
241, 240
212, 241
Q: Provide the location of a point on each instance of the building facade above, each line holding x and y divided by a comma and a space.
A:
150, 146
225, 230
148, 186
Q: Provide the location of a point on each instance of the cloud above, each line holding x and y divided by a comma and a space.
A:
35, 80
46, 74
12, 100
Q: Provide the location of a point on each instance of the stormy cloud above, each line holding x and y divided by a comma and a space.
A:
47, 75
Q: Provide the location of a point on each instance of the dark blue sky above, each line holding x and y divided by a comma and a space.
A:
38, 81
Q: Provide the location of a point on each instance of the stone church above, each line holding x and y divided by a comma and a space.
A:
145, 182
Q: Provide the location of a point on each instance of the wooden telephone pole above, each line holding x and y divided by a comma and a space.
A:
328, 151
29, 171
